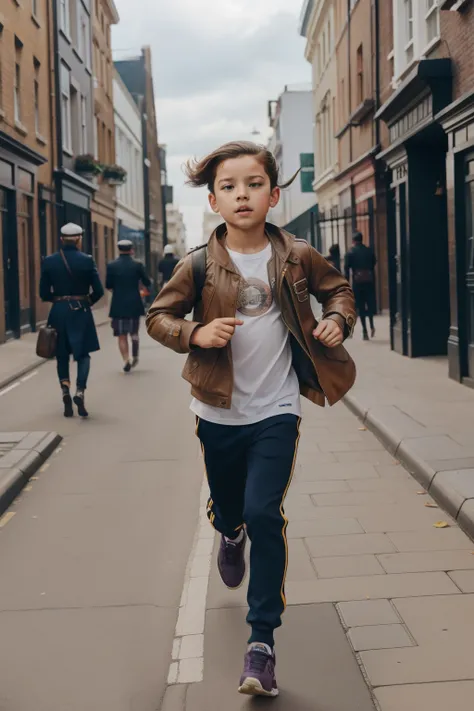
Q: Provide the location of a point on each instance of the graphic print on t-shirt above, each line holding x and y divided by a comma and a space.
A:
255, 297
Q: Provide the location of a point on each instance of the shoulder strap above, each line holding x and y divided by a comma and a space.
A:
199, 265
66, 264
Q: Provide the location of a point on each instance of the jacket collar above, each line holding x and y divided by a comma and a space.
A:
282, 243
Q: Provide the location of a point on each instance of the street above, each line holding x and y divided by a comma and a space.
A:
109, 590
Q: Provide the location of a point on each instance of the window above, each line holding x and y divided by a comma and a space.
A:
409, 31
360, 74
307, 172
16, 94
432, 20
37, 107
84, 38
66, 108
64, 18
84, 146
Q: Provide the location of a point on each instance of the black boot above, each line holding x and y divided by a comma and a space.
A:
135, 352
67, 401
79, 402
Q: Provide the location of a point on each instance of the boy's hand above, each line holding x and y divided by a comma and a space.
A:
216, 334
329, 333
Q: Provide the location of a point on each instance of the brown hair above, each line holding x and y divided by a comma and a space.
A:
203, 172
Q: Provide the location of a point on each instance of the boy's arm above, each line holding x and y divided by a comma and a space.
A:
333, 291
165, 320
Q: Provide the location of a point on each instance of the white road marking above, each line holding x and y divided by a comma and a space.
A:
28, 377
7, 390
187, 664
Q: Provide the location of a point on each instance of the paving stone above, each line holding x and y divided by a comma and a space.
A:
400, 488
324, 527
371, 498
349, 545
393, 471
347, 566
401, 518
370, 587
426, 561
412, 665
442, 465
318, 487
299, 561
379, 637
431, 540
192, 646
342, 445
368, 612
32, 440
433, 697
439, 621
376, 458
12, 437
464, 579
337, 470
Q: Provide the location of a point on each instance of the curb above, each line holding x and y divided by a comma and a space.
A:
30, 452
446, 487
37, 364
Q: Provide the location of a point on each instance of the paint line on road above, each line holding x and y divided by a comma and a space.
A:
28, 377
9, 389
187, 665
6, 518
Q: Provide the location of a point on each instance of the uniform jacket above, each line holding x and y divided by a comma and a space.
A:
73, 320
359, 258
296, 270
124, 276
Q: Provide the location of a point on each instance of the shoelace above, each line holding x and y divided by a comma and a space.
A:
258, 660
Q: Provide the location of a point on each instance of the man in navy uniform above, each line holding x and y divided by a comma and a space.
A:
69, 279
124, 276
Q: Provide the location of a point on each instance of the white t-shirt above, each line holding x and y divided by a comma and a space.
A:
265, 383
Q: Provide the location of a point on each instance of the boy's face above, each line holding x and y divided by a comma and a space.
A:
242, 193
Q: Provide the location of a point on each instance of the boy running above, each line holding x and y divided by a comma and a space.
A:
254, 347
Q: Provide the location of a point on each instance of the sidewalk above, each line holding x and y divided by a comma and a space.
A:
421, 416
372, 584
18, 357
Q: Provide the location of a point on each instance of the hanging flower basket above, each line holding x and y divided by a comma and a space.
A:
87, 166
114, 174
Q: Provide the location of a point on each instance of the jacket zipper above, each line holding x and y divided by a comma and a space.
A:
303, 346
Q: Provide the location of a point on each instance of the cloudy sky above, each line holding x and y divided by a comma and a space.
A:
216, 64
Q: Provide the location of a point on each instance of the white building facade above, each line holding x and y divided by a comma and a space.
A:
176, 230
210, 222
130, 211
291, 118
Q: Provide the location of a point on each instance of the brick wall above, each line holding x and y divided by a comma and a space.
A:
457, 32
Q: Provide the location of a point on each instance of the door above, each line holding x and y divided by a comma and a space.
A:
469, 288
26, 262
10, 263
400, 310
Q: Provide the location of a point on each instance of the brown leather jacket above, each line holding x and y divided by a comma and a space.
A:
296, 270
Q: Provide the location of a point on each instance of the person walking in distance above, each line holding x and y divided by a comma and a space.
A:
168, 264
361, 261
69, 279
124, 276
334, 256
253, 345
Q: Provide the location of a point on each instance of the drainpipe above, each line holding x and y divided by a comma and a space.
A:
377, 68
349, 78
58, 122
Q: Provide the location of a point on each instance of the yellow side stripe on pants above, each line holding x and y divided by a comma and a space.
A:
285, 520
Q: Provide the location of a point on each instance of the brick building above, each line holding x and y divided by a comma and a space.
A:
103, 204
457, 119
136, 74
361, 177
26, 145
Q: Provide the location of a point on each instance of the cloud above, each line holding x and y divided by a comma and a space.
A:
216, 63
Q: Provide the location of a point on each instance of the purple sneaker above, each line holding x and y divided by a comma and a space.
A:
258, 678
231, 562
